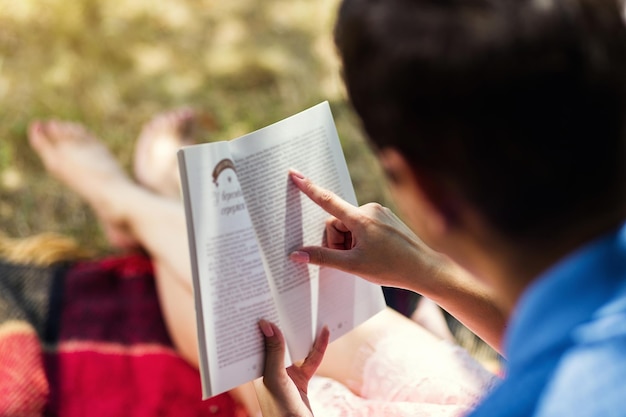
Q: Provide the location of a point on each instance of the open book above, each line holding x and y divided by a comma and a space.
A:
244, 218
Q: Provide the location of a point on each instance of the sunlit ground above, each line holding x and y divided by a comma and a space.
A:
113, 64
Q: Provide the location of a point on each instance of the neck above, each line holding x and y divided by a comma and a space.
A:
510, 266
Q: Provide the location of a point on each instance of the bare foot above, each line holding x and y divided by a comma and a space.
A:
155, 164
75, 157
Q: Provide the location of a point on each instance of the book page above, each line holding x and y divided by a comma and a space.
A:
284, 219
230, 285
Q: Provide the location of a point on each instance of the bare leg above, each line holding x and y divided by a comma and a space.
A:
131, 213
341, 362
156, 168
81, 162
390, 359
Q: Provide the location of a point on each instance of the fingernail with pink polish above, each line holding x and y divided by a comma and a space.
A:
266, 328
296, 173
300, 257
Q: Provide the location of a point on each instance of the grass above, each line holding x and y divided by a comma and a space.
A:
113, 64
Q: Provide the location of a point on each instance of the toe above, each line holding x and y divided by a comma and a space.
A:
61, 130
36, 136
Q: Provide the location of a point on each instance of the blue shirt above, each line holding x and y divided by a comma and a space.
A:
566, 342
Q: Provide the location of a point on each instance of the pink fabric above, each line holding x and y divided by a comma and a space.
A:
24, 389
401, 377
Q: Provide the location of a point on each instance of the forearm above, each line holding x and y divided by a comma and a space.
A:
468, 300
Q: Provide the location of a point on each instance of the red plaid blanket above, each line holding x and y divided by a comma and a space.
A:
89, 339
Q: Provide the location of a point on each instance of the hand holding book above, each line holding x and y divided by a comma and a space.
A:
283, 392
369, 241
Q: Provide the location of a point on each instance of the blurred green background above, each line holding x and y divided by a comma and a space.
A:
112, 64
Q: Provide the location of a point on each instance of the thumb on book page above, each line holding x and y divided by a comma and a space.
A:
334, 258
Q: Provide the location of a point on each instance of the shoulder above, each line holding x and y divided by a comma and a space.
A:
589, 379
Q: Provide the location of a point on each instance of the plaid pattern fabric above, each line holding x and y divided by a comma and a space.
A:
89, 339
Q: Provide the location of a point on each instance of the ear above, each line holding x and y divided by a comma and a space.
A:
425, 201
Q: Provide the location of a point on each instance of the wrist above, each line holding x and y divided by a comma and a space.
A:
432, 276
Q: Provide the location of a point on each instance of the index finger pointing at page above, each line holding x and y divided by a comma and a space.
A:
327, 200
